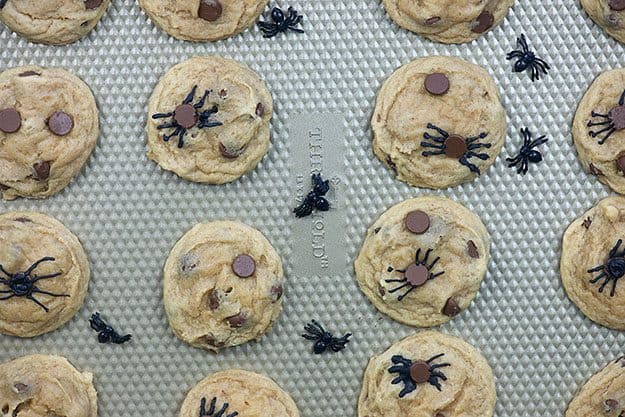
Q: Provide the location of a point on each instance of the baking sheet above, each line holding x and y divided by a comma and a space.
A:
128, 213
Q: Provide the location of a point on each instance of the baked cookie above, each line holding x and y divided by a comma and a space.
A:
238, 392
448, 21
423, 260
44, 274
438, 122
42, 385
598, 129
593, 262
53, 22
223, 285
602, 395
428, 374
203, 20
609, 14
48, 128
209, 120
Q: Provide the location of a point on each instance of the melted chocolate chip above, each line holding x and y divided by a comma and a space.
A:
391, 164
620, 163
23, 220
210, 10
617, 5
60, 123
417, 275
437, 84
230, 152
610, 405
210, 340
260, 109
381, 290
244, 266
455, 146
420, 372
472, 249
417, 222
213, 300
185, 115
432, 20
238, 320
451, 307
587, 222
613, 20
223, 93
28, 74
21, 388
483, 22
10, 120
41, 170
93, 4
276, 292
377, 230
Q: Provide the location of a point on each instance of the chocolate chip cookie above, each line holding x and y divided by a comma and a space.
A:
223, 285
602, 395
609, 14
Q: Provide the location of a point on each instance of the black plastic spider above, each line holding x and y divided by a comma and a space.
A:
527, 153
106, 333
324, 340
415, 275
186, 116
212, 410
612, 270
281, 22
2, 3
614, 120
22, 284
527, 59
455, 146
315, 198
418, 372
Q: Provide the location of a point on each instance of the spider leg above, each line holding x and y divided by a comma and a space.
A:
596, 268
522, 43
181, 138
607, 136
440, 365
427, 255
433, 358
271, 33
622, 99
31, 298
595, 114
37, 278
432, 276
36, 264
434, 263
437, 384
535, 74
294, 29
318, 326
542, 64
190, 96
606, 122
474, 138
527, 135
473, 168
432, 145
438, 129
514, 161
514, 54
524, 166
401, 297
6, 298
5, 272
212, 406
613, 291
395, 280
538, 142
478, 145
38, 291
481, 156
615, 248
167, 125
408, 388
161, 115
221, 412
416, 255
399, 288
202, 101
310, 337
605, 282
439, 139
431, 153
598, 277
166, 138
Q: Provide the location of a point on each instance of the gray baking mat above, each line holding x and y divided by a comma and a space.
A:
128, 213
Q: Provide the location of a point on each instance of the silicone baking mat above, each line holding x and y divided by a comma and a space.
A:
128, 213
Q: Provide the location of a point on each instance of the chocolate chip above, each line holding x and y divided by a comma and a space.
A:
188, 262
417, 222
23, 220
185, 115
455, 146
41, 170
10, 120
620, 163
451, 307
610, 405
613, 20
417, 275
483, 22
437, 84
420, 372
244, 266
5, 409
440, 415
238, 320
391, 164
276, 292
223, 93
377, 230
381, 290
587, 222
210, 10
617, 5
213, 300
210, 340
28, 74
472, 249
21, 388
260, 110
230, 152
92, 4
432, 20
60, 123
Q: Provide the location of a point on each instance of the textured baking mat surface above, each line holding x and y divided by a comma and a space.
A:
128, 213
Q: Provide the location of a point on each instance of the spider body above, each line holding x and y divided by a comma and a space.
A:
212, 409
610, 122
315, 199
324, 340
527, 153
455, 146
281, 22
22, 284
417, 274
612, 270
412, 373
186, 116
526, 59
106, 333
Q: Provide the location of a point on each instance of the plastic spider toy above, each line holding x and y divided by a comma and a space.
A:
22, 284
527, 153
415, 275
106, 333
281, 22
527, 59
2, 3
612, 270
187, 115
413, 373
324, 340
212, 409
614, 120
315, 199
455, 146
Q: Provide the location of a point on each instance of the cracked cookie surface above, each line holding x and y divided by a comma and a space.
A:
609, 15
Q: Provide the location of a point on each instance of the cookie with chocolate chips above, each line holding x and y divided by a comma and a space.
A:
48, 128
602, 395
423, 260
448, 21
203, 20
428, 374
609, 15
53, 22
599, 129
35, 385
208, 120
223, 285
438, 122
